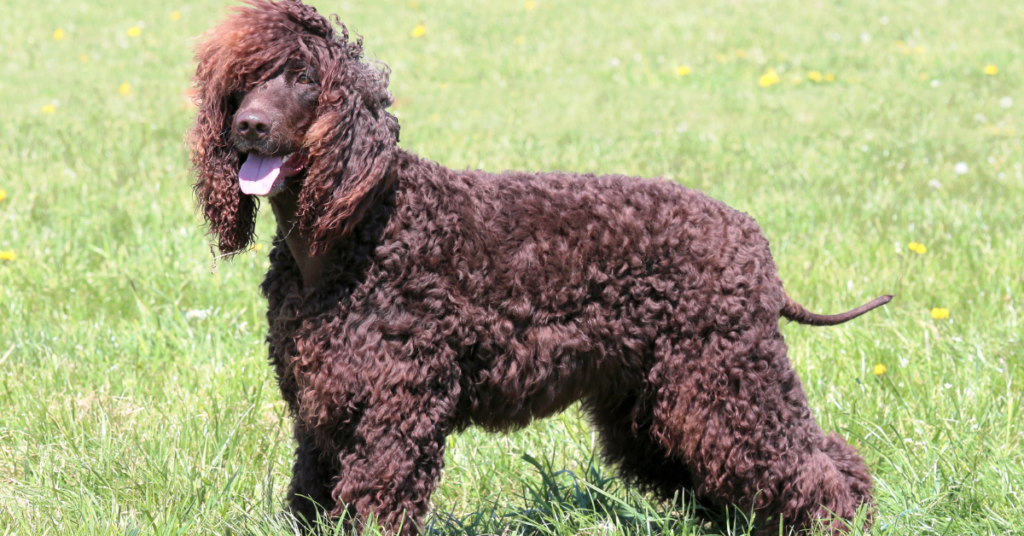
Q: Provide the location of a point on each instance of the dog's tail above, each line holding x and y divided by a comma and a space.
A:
796, 312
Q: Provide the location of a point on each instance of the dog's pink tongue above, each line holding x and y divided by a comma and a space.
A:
258, 174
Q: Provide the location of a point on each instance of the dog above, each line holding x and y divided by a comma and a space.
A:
408, 301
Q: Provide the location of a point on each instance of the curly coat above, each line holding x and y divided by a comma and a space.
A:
457, 298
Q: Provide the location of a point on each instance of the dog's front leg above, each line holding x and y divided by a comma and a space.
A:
396, 453
309, 495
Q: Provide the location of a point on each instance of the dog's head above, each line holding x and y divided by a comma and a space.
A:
285, 101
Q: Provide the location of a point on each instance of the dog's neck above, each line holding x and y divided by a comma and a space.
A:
285, 204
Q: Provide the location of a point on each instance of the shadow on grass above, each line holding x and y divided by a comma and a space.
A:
558, 503
562, 502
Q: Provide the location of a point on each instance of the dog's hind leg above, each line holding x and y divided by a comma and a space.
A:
624, 428
731, 405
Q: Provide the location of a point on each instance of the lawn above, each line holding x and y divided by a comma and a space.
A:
878, 144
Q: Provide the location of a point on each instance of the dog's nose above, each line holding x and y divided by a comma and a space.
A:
252, 124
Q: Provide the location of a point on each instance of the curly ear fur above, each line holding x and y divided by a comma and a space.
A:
351, 144
351, 147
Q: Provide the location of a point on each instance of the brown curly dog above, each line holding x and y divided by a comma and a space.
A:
409, 301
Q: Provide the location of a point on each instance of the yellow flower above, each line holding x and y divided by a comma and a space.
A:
923, 75
414, 4
134, 31
257, 247
7, 256
58, 34
519, 40
830, 77
419, 31
880, 369
920, 249
940, 313
814, 76
530, 4
49, 109
125, 88
683, 70
175, 15
84, 58
991, 70
3, 195
919, 49
769, 78
740, 53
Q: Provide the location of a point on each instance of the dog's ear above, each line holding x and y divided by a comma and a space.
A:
230, 213
352, 145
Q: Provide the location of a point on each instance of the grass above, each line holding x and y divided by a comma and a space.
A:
134, 393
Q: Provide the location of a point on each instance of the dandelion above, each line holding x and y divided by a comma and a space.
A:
520, 40
960, 168
683, 70
919, 49
3, 195
125, 88
880, 369
257, 247
940, 313
530, 4
721, 58
49, 109
830, 77
414, 4
175, 15
814, 76
419, 30
134, 31
740, 53
58, 34
84, 58
920, 249
991, 70
7, 255
923, 75
769, 78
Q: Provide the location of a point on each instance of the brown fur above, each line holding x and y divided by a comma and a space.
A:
445, 299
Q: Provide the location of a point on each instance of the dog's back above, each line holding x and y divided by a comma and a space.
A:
554, 278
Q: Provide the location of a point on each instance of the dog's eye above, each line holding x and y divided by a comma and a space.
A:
304, 79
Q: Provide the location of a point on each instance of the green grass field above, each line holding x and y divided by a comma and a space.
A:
134, 393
